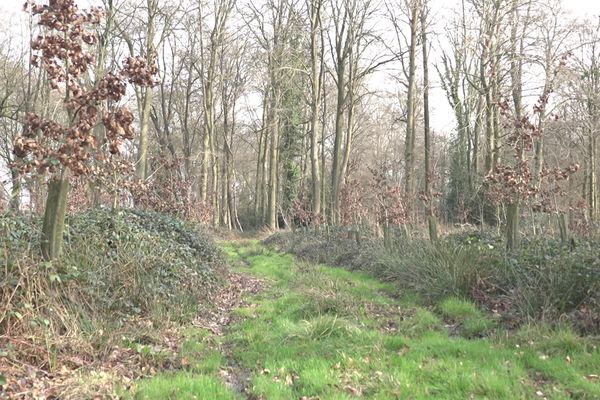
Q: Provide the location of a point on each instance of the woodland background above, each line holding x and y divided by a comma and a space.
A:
448, 152
284, 113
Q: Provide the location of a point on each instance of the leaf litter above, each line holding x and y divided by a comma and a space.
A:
63, 368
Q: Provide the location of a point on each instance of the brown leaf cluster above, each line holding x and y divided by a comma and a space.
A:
515, 182
171, 193
48, 145
140, 72
389, 198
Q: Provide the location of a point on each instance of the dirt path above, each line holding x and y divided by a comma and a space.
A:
220, 317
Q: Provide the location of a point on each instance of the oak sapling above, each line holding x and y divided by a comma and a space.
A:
66, 146
517, 182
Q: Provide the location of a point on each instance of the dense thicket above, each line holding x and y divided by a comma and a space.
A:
130, 264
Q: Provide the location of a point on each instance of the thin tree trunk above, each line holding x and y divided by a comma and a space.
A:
316, 80
145, 96
431, 220
512, 215
15, 195
54, 217
273, 163
409, 144
592, 178
337, 146
512, 226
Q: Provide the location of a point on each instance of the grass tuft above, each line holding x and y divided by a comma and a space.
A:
183, 387
422, 322
458, 309
322, 327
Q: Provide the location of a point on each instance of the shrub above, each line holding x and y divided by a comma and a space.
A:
434, 271
548, 280
18, 235
116, 267
145, 261
543, 280
332, 247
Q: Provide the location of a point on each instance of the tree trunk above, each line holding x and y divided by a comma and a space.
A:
273, 165
337, 146
141, 167
316, 80
433, 235
215, 182
563, 228
409, 144
54, 218
15, 195
592, 179
145, 97
350, 104
512, 226
259, 186
433, 230
323, 154
95, 189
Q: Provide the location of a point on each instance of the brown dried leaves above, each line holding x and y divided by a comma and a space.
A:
47, 145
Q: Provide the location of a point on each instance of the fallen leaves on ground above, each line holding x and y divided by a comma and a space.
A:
69, 373
230, 297
68, 369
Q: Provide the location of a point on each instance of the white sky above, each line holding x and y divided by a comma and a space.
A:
442, 116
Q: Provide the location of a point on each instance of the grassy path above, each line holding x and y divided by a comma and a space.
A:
325, 333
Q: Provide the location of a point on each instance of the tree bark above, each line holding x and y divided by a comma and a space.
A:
54, 217
512, 226
433, 235
409, 143
273, 123
316, 83
145, 95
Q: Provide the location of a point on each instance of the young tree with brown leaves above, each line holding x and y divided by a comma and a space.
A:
67, 146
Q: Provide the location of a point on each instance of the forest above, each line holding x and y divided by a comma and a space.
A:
299, 199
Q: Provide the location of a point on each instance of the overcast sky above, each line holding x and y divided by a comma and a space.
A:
442, 116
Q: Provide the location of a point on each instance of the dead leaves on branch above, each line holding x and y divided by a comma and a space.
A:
64, 52
519, 181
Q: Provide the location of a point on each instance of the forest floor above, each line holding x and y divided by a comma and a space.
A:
285, 329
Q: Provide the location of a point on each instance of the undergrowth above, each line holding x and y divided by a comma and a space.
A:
123, 279
543, 281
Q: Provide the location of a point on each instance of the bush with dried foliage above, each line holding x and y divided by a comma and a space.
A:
518, 182
168, 191
68, 146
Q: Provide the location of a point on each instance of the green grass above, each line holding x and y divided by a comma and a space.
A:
458, 309
327, 333
471, 320
184, 387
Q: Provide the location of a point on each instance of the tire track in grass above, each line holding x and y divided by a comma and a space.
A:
220, 317
285, 329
